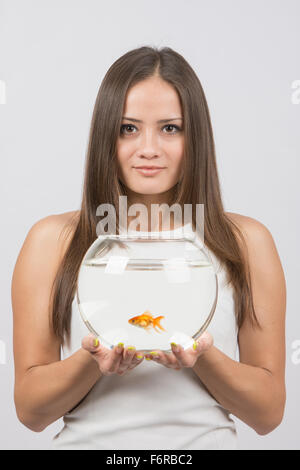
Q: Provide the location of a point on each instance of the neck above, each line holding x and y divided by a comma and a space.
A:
145, 222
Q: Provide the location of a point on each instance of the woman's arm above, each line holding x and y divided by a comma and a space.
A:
45, 387
45, 393
254, 388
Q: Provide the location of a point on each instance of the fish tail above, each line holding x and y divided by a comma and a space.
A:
156, 322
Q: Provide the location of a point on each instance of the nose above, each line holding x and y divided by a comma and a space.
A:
149, 144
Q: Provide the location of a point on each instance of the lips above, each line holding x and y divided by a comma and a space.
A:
148, 171
149, 167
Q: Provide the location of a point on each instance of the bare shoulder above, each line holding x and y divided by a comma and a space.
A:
44, 244
256, 234
55, 222
55, 228
264, 261
38, 260
245, 222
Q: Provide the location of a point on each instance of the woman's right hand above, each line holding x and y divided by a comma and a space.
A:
118, 360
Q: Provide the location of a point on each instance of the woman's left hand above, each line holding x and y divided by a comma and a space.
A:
180, 357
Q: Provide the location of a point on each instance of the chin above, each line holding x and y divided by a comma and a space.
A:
147, 190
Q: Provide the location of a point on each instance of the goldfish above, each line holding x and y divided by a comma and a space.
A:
147, 321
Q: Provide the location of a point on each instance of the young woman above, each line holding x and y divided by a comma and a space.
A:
150, 111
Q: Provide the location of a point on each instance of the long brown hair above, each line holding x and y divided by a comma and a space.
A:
199, 185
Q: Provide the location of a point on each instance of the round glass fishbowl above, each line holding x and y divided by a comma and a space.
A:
147, 291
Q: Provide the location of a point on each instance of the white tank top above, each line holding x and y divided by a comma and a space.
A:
152, 406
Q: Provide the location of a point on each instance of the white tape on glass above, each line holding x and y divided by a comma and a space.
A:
116, 265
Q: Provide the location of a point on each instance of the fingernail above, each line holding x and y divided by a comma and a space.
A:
154, 353
148, 358
130, 347
95, 342
120, 347
139, 357
173, 344
176, 348
195, 346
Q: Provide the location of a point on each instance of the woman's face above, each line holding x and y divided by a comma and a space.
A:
144, 141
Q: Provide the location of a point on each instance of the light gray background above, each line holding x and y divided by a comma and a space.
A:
53, 56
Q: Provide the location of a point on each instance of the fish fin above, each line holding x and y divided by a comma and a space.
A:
157, 330
156, 322
147, 314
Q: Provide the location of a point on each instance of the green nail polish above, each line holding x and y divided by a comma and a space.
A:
95, 342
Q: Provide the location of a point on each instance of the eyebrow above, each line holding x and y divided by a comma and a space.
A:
161, 120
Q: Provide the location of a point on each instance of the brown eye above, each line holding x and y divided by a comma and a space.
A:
175, 127
124, 129
124, 126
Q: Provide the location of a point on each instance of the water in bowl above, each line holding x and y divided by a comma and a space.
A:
183, 294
